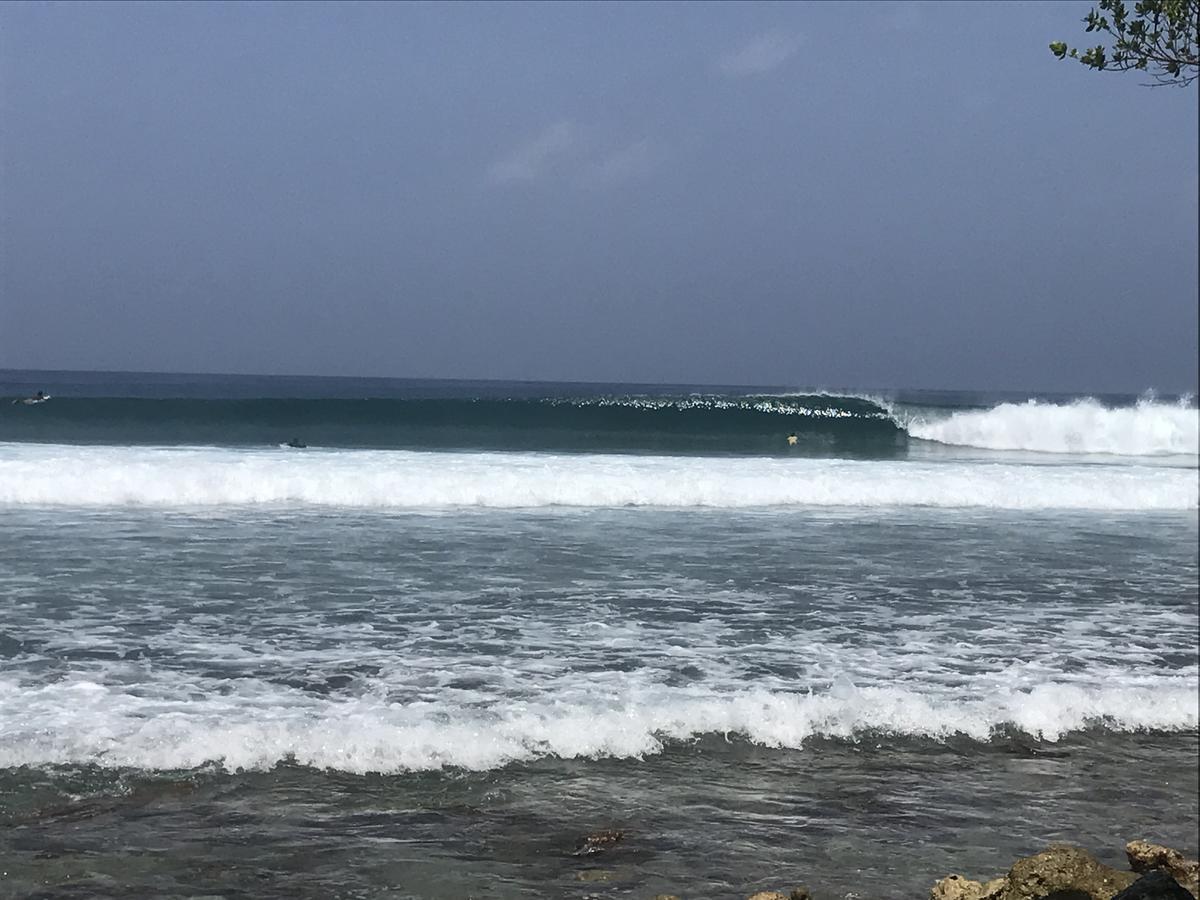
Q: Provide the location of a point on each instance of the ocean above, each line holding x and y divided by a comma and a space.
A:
852, 640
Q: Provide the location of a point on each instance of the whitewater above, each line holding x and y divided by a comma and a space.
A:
259, 725
1085, 426
101, 476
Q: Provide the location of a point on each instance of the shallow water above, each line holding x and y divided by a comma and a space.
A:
704, 819
287, 702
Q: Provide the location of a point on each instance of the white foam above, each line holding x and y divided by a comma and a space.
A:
78, 722
1148, 429
57, 475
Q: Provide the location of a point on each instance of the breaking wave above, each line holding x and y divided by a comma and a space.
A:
82, 722
1149, 428
691, 424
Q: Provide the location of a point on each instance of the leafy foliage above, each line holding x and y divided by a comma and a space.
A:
1160, 37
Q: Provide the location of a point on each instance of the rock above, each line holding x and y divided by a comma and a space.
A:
597, 842
768, 895
1059, 873
666, 897
1146, 857
955, 887
1063, 873
1155, 885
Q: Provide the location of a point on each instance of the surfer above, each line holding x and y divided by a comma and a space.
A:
792, 439
39, 397
297, 444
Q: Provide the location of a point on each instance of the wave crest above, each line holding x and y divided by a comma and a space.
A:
96, 724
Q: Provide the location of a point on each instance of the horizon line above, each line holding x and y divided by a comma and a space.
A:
661, 384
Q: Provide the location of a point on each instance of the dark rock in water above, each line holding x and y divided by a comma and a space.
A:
1147, 857
597, 842
1156, 885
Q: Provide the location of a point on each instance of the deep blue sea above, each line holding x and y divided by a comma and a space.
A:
366, 638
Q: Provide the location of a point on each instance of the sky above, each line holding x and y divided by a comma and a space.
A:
809, 194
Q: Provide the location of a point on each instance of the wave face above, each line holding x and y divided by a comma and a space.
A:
688, 424
64, 475
1083, 427
692, 424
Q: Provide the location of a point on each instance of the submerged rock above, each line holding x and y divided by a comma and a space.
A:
597, 842
1156, 885
594, 875
800, 893
1146, 857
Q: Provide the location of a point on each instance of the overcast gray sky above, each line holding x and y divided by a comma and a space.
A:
859, 194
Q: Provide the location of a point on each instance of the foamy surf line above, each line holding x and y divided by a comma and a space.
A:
90, 724
54, 475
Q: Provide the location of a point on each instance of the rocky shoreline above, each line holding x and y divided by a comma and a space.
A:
1061, 872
